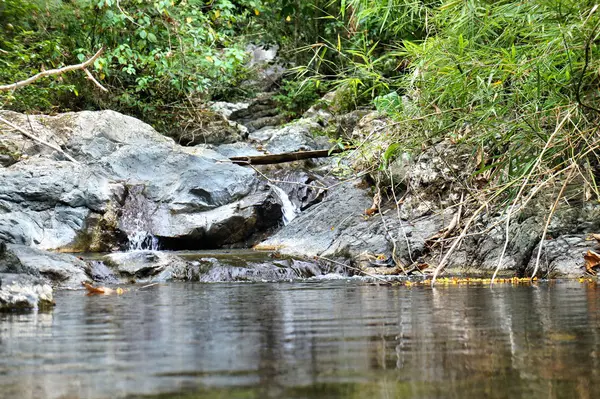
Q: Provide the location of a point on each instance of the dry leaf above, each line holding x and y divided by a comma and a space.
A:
102, 290
592, 259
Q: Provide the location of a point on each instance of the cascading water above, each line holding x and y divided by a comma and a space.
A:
136, 220
288, 208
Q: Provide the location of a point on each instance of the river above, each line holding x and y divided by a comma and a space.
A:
312, 339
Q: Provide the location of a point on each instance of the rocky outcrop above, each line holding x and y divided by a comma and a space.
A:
429, 186
181, 194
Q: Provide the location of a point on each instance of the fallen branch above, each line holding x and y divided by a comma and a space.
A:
51, 72
36, 138
284, 157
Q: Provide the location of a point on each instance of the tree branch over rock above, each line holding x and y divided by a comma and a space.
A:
57, 71
13, 86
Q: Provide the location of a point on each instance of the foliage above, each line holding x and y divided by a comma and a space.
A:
295, 97
515, 80
160, 55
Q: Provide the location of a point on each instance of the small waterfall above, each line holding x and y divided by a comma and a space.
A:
288, 208
142, 240
136, 220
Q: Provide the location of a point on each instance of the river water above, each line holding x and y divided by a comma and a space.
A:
312, 339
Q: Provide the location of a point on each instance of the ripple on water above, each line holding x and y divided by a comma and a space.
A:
318, 339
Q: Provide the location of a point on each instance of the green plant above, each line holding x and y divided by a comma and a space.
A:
296, 97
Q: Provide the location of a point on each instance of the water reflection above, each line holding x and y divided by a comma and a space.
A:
313, 339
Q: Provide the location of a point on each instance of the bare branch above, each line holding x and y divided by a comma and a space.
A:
51, 72
91, 77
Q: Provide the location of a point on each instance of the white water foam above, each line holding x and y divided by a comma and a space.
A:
288, 208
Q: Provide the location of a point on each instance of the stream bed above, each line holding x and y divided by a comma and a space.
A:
319, 338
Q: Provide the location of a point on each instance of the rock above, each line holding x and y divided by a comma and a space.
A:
237, 150
324, 228
278, 270
46, 203
225, 225
562, 257
260, 113
226, 109
147, 265
130, 180
262, 135
300, 135
209, 128
22, 292
60, 270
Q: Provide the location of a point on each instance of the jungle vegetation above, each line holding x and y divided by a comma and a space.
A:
517, 81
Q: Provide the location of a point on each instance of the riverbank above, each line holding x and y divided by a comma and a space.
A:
130, 188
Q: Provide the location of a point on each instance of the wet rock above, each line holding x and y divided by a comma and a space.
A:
150, 265
278, 270
101, 273
324, 229
22, 292
60, 270
224, 225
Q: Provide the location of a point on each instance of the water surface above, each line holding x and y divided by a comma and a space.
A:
313, 339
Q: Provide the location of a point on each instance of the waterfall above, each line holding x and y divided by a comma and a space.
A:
288, 208
136, 220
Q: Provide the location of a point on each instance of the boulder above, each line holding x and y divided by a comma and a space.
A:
300, 135
129, 180
147, 265
28, 275
59, 270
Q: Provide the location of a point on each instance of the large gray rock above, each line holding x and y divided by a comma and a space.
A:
129, 178
46, 203
27, 276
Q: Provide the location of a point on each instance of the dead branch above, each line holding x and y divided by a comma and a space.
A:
94, 81
51, 72
39, 140
284, 157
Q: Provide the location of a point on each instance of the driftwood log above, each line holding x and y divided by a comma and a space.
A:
285, 157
